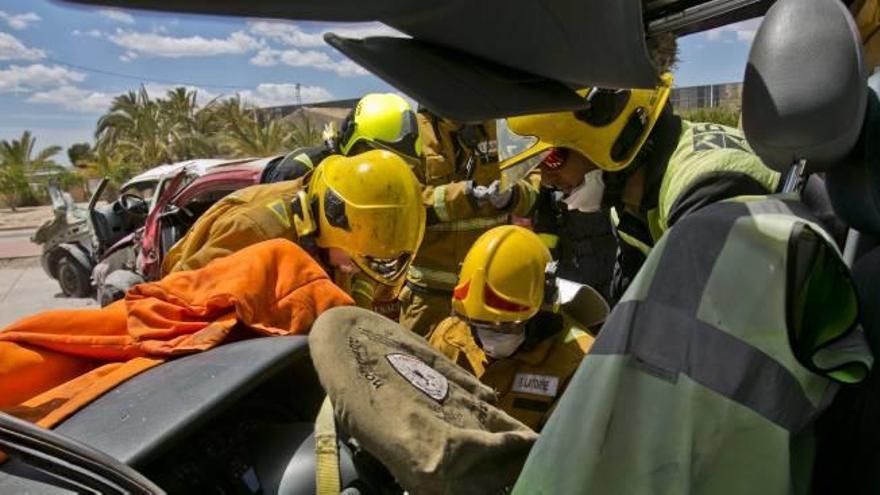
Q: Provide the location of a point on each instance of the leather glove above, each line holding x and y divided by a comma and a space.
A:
491, 194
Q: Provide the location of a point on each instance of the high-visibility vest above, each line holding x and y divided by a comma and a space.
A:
703, 149
709, 373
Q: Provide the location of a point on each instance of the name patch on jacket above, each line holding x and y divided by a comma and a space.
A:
529, 383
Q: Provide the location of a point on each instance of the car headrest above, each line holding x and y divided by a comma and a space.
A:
854, 186
804, 86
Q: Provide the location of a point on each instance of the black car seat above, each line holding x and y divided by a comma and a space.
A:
805, 98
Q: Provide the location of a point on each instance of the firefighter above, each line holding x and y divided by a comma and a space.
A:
646, 166
720, 354
361, 216
464, 198
378, 121
507, 329
572, 223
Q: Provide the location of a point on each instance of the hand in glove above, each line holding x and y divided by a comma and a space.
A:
491, 193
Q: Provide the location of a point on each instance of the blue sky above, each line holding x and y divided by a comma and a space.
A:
55, 61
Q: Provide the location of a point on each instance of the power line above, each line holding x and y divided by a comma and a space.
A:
140, 78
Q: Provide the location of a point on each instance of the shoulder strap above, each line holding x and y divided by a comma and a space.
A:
326, 451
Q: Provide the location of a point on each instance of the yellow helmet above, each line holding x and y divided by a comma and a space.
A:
370, 206
502, 277
609, 132
381, 121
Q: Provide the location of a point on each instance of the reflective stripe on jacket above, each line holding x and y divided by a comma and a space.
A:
251, 215
706, 163
704, 150
709, 373
455, 220
530, 381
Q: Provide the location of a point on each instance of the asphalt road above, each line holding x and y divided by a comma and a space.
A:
17, 244
25, 289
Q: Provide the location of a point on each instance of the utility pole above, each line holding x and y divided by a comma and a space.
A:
298, 95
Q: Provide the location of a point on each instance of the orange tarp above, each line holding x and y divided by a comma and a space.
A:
53, 363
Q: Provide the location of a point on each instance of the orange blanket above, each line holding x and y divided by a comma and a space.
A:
53, 363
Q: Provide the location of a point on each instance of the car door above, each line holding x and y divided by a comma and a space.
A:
150, 257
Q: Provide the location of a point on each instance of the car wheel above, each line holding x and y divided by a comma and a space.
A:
75, 281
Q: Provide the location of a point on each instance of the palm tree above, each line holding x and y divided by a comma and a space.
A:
18, 165
245, 136
104, 163
304, 133
134, 129
193, 130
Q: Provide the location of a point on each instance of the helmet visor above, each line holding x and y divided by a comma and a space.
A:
405, 144
510, 145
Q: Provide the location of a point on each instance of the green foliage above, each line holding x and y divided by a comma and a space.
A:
106, 163
139, 132
144, 132
19, 167
728, 116
79, 153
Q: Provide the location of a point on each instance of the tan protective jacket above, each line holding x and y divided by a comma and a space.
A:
530, 381
251, 215
455, 221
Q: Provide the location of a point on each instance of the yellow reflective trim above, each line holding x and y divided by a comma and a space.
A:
573, 334
305, 160
440, 203
429, 275
470, 224
656, 225
632, 241
279, 210
549, 240
327, 479
615, 218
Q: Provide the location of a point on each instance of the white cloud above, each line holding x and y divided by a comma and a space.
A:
741, 31
117, 16
272, 94
37, 76
193, 46
266, 57
347, 68
293, 35
73, 98
307, 58
60, 91
70, 97
13, 49
19, 21
128, 56
92, 33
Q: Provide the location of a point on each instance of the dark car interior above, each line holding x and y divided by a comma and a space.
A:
236, 420
113, 221
182, 213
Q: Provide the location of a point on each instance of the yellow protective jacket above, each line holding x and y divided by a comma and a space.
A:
251, 215
867, 16
530, 381
455, 221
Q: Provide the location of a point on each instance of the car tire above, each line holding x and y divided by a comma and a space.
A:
75, 281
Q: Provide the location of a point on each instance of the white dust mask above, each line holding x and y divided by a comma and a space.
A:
498, 345
587, 197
